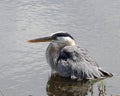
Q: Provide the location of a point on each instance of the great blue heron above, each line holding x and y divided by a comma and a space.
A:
69, 60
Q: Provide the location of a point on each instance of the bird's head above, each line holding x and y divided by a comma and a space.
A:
58, 38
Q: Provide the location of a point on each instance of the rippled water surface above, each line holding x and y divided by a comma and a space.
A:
95, 24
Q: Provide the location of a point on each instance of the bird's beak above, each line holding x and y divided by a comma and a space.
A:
44, 39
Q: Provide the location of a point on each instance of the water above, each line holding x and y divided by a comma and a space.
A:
95, 24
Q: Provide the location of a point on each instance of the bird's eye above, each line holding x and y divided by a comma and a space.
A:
54, 37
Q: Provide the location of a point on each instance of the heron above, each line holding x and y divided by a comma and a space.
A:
68, 59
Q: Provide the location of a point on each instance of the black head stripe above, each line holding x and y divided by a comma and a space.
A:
63, 35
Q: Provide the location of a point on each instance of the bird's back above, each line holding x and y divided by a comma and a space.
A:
74, 62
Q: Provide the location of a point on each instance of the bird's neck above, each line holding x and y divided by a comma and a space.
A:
52, 53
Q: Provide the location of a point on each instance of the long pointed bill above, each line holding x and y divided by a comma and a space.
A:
44, 39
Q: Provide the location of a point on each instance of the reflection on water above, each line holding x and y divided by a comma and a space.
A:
102, 89
58, 86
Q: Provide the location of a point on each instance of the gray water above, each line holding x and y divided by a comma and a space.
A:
95, 24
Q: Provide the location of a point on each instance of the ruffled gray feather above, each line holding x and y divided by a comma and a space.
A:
75, 63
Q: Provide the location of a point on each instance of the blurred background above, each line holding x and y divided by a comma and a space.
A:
95, 24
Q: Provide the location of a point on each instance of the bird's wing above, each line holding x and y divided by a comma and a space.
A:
75, 62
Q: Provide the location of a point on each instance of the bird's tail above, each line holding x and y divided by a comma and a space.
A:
105, 73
